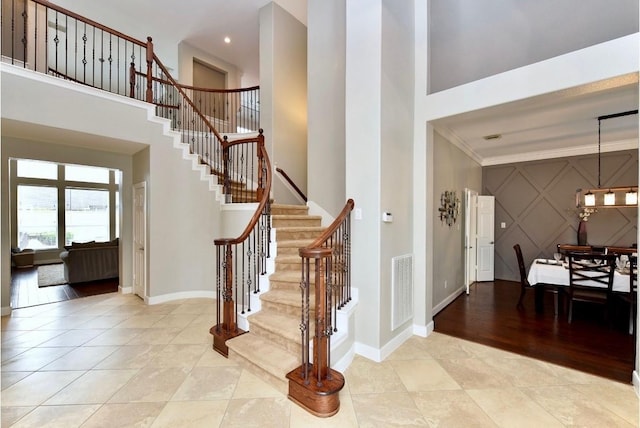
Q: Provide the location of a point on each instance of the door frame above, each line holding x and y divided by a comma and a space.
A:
470, 225
140, 187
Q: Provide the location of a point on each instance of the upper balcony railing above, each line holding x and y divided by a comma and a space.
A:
46, 38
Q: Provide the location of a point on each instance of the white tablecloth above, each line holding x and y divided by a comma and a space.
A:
557, 274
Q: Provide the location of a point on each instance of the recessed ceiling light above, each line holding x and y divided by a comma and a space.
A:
492, 137
227, 39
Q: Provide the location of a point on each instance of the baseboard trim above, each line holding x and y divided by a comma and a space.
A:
423, 330
440, 306
378, 355
636, 382
343, 363
5, 310
125, 290
164, 298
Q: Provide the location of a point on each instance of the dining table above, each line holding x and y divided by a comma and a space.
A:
543, 271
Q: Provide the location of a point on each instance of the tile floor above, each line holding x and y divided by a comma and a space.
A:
111, 361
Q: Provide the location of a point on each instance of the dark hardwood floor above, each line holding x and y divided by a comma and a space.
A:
25, 291
488, 315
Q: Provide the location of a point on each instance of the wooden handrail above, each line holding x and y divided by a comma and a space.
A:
222, 91
320, 240
263, 202
81, 18
290, 181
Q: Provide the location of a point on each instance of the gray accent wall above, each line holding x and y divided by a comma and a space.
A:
536, 201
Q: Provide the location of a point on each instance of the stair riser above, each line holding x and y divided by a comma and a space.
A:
302, 222
282, 235
281, 385
280, 210
291, 344
286, 309
289, 251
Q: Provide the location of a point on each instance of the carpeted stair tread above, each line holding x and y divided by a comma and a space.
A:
277, 209
288, 297
281, 324
294, 243
286, 276
270, 358
301, 229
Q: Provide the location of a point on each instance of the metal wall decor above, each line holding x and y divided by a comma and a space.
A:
449, 207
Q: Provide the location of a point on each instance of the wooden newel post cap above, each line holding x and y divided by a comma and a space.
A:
315, 253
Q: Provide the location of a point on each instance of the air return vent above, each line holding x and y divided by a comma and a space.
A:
401, 290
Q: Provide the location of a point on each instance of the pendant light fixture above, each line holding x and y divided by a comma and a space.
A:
610, 194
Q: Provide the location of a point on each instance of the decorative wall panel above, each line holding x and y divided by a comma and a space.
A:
536, 201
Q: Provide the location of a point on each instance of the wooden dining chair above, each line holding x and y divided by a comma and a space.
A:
631, 297
524, 282
591, 279
567, 248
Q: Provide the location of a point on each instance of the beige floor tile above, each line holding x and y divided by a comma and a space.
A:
9, 378
192, 414
140, 321
37, 387
185, 356
473, 373
450, 409
194, 334
212, 358
618, 398
81, 358
73, 338
7, 353
30, 339
10, 415
115, 336
94, 387
257, 412
442, 346
483, 351
175, 321
34, 359
11, 322
57, 416
388, 409
510, 407
415, 348
423, 375
524, 371
365, 376
138, 415
208, 383
104, 322
130, 357
151, 384
195, 308
251, 386
68, 322
573, 408
157, 336
346, 416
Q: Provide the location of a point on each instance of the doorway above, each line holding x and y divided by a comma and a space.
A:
479, 234
140, 239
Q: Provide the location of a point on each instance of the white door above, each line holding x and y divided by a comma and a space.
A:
485, 238
139, 239
470, 216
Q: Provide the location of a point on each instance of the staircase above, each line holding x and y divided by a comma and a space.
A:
272, 347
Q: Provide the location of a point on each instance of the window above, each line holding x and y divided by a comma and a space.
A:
37, 217
86, 215
59, 204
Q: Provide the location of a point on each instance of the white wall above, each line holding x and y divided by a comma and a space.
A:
283, 72
184, 215
326, 104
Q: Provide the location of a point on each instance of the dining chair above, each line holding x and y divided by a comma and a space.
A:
591, 279
524, 282
566, 248
631, 297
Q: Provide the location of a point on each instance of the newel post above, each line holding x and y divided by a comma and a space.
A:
149, 94
314, 385
228, 328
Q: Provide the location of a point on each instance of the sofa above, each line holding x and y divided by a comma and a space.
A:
90, 261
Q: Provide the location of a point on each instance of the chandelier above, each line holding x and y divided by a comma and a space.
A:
608, 197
